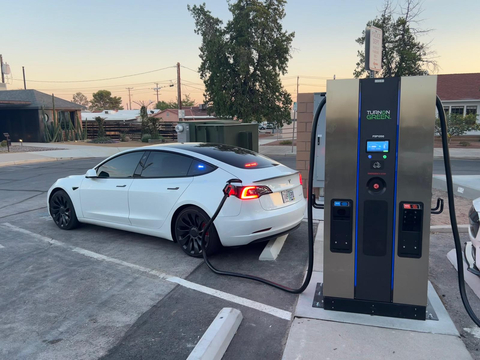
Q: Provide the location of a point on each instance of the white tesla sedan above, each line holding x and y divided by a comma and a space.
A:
170, 191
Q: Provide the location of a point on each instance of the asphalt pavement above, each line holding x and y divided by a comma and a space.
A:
97, 292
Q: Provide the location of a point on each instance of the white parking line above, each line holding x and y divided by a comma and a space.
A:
2, 247
286, 315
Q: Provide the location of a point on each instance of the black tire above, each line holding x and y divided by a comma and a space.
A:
188, 225
62, 211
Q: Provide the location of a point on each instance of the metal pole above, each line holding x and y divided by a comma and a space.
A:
157, 88
24, 82
129, 98
179, 88
295, 117
1, 68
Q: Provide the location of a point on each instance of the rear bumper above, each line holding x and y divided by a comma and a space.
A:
255, 224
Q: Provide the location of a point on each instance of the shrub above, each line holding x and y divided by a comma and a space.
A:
146, 137
464, 143
286, 142
103, 140
124, 137
3, 143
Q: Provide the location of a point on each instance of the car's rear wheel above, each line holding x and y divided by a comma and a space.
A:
62, 211
189, 225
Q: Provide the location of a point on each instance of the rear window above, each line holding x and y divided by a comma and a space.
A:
235, 156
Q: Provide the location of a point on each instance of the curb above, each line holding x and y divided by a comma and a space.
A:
215, 340
459, 190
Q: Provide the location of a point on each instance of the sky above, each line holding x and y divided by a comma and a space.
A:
64, 45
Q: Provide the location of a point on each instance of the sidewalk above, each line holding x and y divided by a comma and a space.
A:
319, 334
465, 154
66, 151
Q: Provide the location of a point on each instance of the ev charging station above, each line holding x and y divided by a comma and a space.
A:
378, 181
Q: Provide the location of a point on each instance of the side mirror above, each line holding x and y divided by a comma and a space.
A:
91, 174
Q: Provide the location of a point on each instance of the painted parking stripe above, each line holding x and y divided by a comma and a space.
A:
1, 246
286, 315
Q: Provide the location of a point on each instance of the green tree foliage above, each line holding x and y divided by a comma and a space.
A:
144, 119
186, 102
101, 129
103, 100
241, 62
80, 99
458, 125
403, 54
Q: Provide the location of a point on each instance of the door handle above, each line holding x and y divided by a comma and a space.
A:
175, 188
121, 185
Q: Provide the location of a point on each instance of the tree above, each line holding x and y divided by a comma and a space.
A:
402, 53
80, 99
103, 100
144, 119
241, 62
186, 102
457, 125
101, 130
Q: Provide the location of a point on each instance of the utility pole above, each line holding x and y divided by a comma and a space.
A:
157, 89
24, 82
129, 98
1, 68
179, 88
295, 116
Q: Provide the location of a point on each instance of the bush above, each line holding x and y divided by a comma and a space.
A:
103, 140
3, 143
146, 137
464, 143
124, 137
286, 142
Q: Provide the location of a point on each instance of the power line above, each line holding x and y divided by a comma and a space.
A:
193, 87
109, 86
195, 71
104, 79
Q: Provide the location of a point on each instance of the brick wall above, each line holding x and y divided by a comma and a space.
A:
304, 129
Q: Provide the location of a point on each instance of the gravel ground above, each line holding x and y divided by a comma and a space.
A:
18, 148
462, 206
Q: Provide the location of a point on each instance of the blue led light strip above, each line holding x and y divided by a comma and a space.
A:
395, 190
358, 174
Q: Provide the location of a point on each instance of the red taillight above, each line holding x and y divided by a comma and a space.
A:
251, 164
300, 177
249, 192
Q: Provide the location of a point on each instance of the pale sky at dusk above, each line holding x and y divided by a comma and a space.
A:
91, 39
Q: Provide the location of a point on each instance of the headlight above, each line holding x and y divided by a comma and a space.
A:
473, 219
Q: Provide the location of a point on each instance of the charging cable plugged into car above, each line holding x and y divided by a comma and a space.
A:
246, 192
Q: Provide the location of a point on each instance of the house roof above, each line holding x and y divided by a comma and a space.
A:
459, 86
33, 99
192, 111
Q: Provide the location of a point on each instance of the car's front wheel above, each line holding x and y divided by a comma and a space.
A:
189, 225
62, 211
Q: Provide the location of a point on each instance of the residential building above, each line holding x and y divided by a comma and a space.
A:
192, 113
24, 113
460, 93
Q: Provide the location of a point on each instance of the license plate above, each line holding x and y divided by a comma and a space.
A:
288, 196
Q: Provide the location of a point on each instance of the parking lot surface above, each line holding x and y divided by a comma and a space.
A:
97, 292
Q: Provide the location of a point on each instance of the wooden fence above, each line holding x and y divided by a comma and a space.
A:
114, 130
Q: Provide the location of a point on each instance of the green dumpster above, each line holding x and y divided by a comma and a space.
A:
229, 132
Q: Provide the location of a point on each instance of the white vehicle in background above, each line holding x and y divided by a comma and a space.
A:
172, 190
472, 248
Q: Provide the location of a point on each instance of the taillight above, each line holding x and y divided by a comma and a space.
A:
249, 192
300, 178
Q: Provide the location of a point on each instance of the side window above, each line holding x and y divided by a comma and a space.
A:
122, 166
166, 164
200, 168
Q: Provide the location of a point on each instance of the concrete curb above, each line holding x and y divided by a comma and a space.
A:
215, 341
462, 229
273, 248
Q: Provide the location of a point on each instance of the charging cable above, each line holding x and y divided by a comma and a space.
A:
453, 218
311, 240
